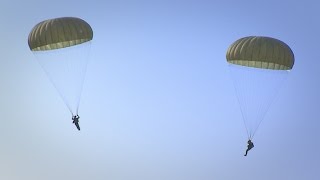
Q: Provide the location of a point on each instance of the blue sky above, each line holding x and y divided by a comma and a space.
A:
158, 101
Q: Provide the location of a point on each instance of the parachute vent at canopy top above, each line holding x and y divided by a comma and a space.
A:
59, 33
261, 52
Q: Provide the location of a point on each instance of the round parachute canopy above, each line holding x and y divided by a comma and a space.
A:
59, 33
261, 52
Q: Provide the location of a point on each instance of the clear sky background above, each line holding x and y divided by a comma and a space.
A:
158, 102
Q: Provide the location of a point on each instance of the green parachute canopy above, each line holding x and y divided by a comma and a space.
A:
261, 52
59, 33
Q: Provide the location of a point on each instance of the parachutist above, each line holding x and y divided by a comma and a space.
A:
250, 146
76, 121
70, 39
257, 79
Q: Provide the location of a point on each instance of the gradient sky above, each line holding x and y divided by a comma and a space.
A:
158, 102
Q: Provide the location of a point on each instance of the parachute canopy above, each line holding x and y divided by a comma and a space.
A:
62, 47
261, 52
258, 66
59, 33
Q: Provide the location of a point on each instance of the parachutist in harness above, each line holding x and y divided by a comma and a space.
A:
76, 121
250, 146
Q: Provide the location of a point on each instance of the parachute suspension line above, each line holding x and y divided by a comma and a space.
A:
84, 66
69, 71
78, 98
244, 100
255, 90
239, 95
281, 77
66, 69
245, 88
52, 81
263, 107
